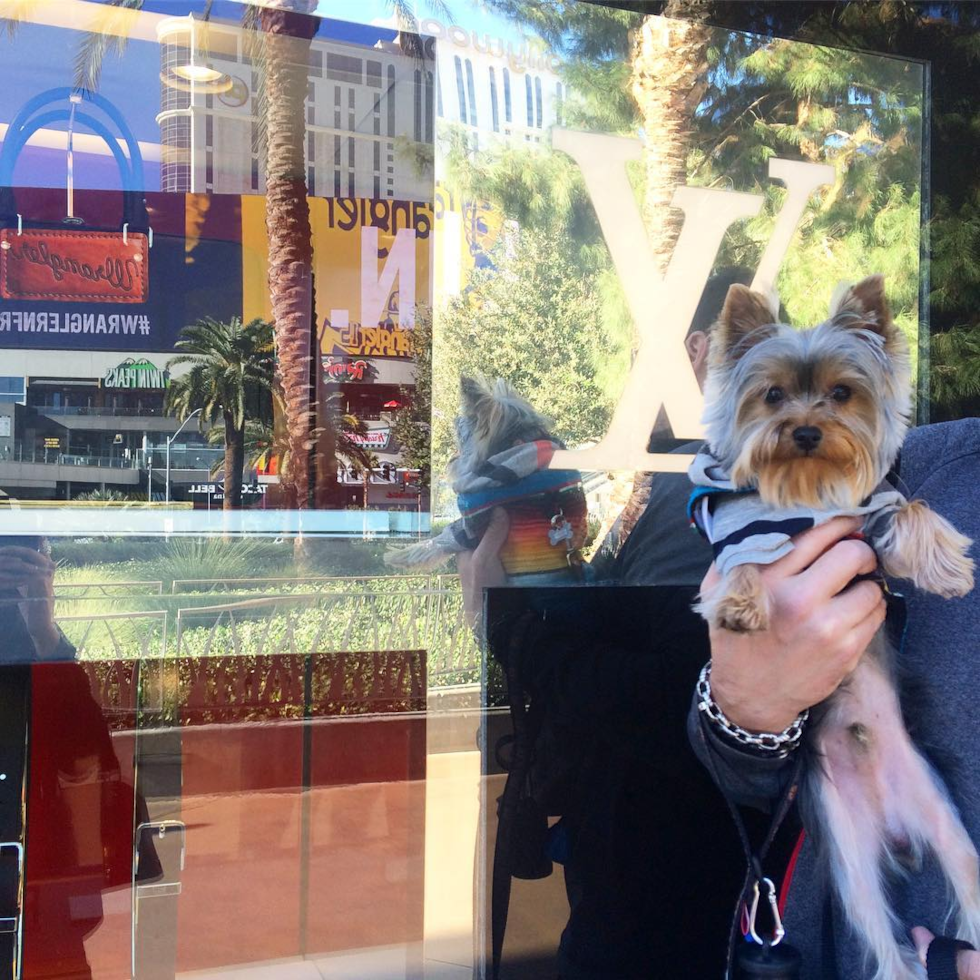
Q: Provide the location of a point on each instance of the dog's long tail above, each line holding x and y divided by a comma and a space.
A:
426, 556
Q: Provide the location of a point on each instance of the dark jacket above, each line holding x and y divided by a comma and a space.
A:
941, 465
654, 859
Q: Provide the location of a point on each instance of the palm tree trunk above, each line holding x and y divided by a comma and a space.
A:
325, 451
669, 79
234, 463
288, 33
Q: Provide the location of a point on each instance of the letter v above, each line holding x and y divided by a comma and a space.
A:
663, 305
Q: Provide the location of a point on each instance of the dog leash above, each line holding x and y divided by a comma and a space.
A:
756, 882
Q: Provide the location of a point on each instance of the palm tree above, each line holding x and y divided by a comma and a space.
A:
365, 467
286, 29
231, 372
287, 32
266, 443
668, 76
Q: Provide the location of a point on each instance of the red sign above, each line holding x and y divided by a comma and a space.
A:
373, 438
73, 266
339, 370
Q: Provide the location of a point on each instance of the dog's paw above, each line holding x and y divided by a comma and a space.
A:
740, 614
740, 603
927, 550
958, 580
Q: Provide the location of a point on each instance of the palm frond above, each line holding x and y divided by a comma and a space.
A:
16, 12
110, 35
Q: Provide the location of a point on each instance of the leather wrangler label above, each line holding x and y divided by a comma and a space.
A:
73, 266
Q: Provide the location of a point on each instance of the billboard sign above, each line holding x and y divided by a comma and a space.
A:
95, 290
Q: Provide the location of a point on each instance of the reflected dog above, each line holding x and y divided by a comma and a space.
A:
504, 449
802, 426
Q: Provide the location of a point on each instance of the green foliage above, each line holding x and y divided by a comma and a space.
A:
412, 428
954, 362
531, 320
106, 556
217, 558
109, 496
231, 370
536, 188
863, 115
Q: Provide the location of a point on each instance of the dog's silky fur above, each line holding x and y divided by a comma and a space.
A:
871, 801
493, 416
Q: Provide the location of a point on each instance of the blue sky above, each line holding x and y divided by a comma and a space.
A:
39, 58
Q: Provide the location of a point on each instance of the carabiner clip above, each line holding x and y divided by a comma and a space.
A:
778, 930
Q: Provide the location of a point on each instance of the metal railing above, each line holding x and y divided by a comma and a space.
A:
151, 623
87, 590
55, 457
100, 412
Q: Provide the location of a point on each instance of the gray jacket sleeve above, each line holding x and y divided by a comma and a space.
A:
745, 777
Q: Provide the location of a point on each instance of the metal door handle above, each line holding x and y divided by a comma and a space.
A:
160, 890
14, 924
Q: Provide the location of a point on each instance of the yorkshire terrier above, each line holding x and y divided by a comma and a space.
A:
802, 426
504, 448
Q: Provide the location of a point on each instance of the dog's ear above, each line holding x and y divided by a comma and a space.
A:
472, 391
863, 306
741, 323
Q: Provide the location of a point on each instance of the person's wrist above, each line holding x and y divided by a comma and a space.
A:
749, 710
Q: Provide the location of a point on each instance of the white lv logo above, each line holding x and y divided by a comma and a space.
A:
663, 305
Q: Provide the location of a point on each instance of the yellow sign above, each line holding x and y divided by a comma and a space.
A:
371, 262
466, 233
50, 443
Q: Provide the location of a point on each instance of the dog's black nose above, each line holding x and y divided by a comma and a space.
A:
807, 437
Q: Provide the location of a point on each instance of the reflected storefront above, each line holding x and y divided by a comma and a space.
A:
352, 361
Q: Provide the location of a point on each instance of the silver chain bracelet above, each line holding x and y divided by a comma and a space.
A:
781, 743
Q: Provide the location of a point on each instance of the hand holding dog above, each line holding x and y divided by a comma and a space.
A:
819, 628
481, 568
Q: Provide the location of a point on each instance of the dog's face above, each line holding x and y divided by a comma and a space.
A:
494, 417
812, 417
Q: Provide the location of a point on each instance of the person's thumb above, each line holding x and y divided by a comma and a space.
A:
922, 937
496, 533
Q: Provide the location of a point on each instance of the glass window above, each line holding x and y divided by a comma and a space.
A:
417, 102
12, 390
460, 89
390, 100
345, 68
471, 88
427, 108
258, 439
493, 101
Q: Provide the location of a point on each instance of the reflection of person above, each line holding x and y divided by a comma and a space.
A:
27, 626
649, 853
79, 811
650, 856
820, 627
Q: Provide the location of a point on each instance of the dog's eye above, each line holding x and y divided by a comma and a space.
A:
840, 393
775, 395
